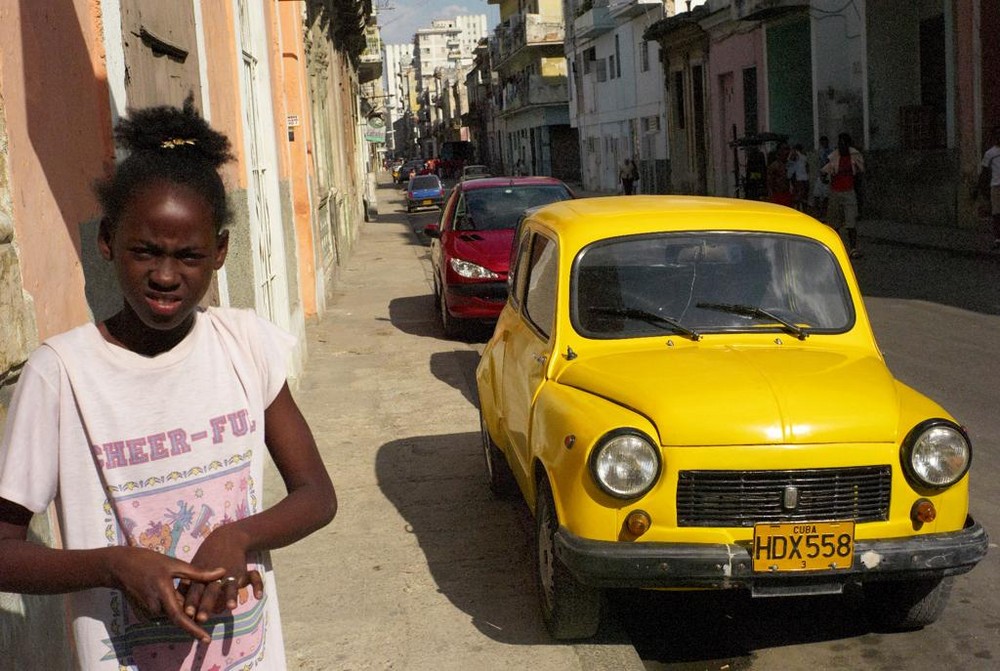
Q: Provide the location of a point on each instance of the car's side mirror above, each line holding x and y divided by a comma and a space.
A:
432, 231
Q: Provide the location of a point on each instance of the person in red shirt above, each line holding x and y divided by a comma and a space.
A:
779, 189
845, 164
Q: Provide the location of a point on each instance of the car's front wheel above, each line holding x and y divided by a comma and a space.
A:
899, 605
452, 327
498, 473
571, 610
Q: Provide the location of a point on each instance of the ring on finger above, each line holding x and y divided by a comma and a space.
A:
228, 580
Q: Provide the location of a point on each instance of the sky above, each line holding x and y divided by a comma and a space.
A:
399, 19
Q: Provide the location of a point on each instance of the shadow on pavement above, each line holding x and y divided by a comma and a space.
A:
718, 628
477, 548
458, 369
396, 217
416, 315
960, 278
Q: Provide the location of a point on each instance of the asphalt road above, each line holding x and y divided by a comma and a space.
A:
422, 569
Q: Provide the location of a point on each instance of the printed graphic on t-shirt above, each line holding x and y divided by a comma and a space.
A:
171, 511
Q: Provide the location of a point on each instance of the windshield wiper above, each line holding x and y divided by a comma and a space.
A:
648, 317
756, 313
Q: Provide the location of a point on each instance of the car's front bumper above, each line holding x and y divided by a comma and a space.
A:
477, 300
695, 565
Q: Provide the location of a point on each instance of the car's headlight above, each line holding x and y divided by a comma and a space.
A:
472, 271
936, 454
625, 463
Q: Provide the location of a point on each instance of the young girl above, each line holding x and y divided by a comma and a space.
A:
149, 432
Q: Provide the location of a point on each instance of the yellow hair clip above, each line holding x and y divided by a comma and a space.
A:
175, 142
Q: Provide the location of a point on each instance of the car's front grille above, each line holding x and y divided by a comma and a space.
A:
488, 291
743, 498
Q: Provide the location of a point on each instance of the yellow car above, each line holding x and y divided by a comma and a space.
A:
688, 394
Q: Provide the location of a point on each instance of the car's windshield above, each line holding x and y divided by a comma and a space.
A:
424, 182
709, 282
501, 207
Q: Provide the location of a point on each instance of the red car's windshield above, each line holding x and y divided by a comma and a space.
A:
500, 208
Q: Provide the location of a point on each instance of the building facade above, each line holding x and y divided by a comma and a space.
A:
911, 82
442, 54
616, 91
532, 131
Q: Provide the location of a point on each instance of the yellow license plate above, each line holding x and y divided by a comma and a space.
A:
426, 201
803, 546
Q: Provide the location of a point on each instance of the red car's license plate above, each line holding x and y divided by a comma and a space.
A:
803, 546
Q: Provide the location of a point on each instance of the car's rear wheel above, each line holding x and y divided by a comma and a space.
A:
899, 605
570, 609
452, 327
498, 473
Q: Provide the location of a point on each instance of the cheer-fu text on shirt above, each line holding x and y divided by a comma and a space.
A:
172, 443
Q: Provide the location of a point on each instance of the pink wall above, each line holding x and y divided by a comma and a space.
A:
54, 85
730, 56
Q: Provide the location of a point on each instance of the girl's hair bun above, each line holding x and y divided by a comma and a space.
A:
167, 128
166, 144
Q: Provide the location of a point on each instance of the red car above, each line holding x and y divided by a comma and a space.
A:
470, 247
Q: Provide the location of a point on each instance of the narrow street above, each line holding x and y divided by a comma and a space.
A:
423, 569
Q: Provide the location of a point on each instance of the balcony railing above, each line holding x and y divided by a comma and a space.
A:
626, 9
370, 59
523, 31
759, 10
533, 90
597, 20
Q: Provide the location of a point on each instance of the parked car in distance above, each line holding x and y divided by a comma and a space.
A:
409, 169
470, 246
688, 394
474, 172
424, 191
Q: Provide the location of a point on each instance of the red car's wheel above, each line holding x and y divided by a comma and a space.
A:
452, 327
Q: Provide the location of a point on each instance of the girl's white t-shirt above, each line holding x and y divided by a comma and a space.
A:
153, 452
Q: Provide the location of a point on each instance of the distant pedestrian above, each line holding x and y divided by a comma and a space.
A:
519, 170
628, 176
821, 189
798, 177
778, 186
989, 179
845, 165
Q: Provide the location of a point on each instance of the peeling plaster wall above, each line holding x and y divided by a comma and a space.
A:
18, 335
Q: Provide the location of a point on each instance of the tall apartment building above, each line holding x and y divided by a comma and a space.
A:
530, 120
446, 47
397, 59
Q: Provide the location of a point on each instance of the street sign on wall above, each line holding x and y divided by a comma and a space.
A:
375, 129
